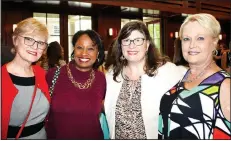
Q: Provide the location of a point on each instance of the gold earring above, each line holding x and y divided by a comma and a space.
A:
122, 58
12, 50
215, 52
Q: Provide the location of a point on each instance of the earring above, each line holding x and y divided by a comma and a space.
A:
146, 54
98, 59
72, 57
12, 50
215, 52
122, 58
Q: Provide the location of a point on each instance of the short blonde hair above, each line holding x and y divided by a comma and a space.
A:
207, 21
31, 25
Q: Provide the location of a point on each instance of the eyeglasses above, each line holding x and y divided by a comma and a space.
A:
137, 41
30, 42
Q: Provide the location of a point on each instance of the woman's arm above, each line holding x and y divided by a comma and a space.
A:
225, 98
217, 57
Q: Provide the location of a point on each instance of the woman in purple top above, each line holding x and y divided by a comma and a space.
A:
79, 91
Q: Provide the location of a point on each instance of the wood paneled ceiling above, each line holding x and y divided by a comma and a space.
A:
219, 8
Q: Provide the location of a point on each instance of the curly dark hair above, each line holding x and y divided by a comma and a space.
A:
153, 60
95, 37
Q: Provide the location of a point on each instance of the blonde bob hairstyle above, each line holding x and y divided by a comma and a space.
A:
31, 25
207, 21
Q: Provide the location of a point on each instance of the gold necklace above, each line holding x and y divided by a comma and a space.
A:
199, 75
85, 85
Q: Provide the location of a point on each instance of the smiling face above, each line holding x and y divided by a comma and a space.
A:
197, 44
85, 53
27, 52
134, 47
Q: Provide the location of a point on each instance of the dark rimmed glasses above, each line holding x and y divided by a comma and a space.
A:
136, 41
30, 42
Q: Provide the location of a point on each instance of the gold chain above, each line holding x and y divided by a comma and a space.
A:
85, 85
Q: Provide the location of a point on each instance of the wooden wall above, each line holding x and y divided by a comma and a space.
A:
103, 18
106, 14
221, 9
173, 25
108, 19
171, 28
8, 19
105, 22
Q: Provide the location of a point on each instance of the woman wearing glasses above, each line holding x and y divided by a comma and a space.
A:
25, 96
136, 83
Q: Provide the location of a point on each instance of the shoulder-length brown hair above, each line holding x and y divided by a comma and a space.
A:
153, 59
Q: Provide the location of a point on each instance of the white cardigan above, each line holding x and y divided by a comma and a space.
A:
152, 89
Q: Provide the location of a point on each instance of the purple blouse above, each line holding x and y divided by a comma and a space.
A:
74, 113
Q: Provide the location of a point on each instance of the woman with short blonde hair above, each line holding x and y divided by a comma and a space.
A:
198, 107
25, 96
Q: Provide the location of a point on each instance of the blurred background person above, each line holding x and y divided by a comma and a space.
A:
42, 62
178, 58
221, 49
79, 91
217, 55
110, 60
198, 107
226, 59
135, 83
53, 57
24, 85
